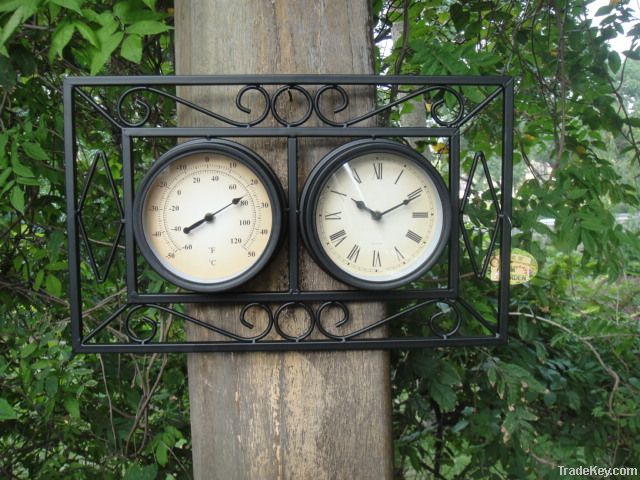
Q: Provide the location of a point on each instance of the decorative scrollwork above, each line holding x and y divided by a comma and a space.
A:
288, 88
133, 336
154, 324
435, 107
438, 104
311, 319
441, 314
246, 323
145, 114
433, 319
312, 104
344, 103
343, 321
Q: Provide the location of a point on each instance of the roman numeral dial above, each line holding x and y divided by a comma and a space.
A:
376, 215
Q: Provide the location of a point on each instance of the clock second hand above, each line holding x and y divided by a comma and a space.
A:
209, 217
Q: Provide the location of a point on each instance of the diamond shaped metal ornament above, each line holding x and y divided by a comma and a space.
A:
480, 270
99, 160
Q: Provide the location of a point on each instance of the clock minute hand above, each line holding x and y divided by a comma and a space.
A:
402, 203
209, 217
363, 206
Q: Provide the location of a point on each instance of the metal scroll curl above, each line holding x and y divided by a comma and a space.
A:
149, 322
444, 321
313, 103
141, 103
437, 321
308, 101
153, 324
435, 110
304, 332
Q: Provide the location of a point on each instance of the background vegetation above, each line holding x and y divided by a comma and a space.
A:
566, 389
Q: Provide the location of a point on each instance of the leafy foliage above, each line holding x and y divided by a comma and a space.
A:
67, 416
563, 391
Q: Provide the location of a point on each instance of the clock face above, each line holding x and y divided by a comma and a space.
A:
208, 215
380, 215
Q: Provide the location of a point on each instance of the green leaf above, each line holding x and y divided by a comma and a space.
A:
459, 16
29, 7
23, 59
74, 5
109, 44
604, 10
72, 406
491, 374
4, 175
18, 167
131, 48
57, 266
34, 182
443, 395
17, 198
11, 25
35, 151
10, 5
87, 33
51, 385
7, 73
148, 27
7, 187
141, 472
161, 453
461, 425
27, 349
6, 410
4, 139
61, 38
634, 122
54, 246
575, 193
53, 286
38, 280
632, 54
614, 61
150, 3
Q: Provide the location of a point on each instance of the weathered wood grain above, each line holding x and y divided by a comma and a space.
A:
283, 415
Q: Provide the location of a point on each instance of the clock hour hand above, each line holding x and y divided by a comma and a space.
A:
363, 206
209, 217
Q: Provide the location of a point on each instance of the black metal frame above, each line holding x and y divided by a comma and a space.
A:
445, 301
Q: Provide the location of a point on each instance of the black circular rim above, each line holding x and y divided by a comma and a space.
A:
237, 152
316, 181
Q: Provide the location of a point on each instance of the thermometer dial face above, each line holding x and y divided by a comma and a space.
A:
209, 215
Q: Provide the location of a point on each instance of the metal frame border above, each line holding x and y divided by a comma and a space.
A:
292, 132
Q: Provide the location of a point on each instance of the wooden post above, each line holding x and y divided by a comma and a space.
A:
283, 415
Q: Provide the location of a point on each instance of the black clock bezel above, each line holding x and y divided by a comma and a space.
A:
315, 183
237, 152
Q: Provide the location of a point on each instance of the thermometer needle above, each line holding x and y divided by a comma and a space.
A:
209, 217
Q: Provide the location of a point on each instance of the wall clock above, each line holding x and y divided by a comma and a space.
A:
208, 215
375, 214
